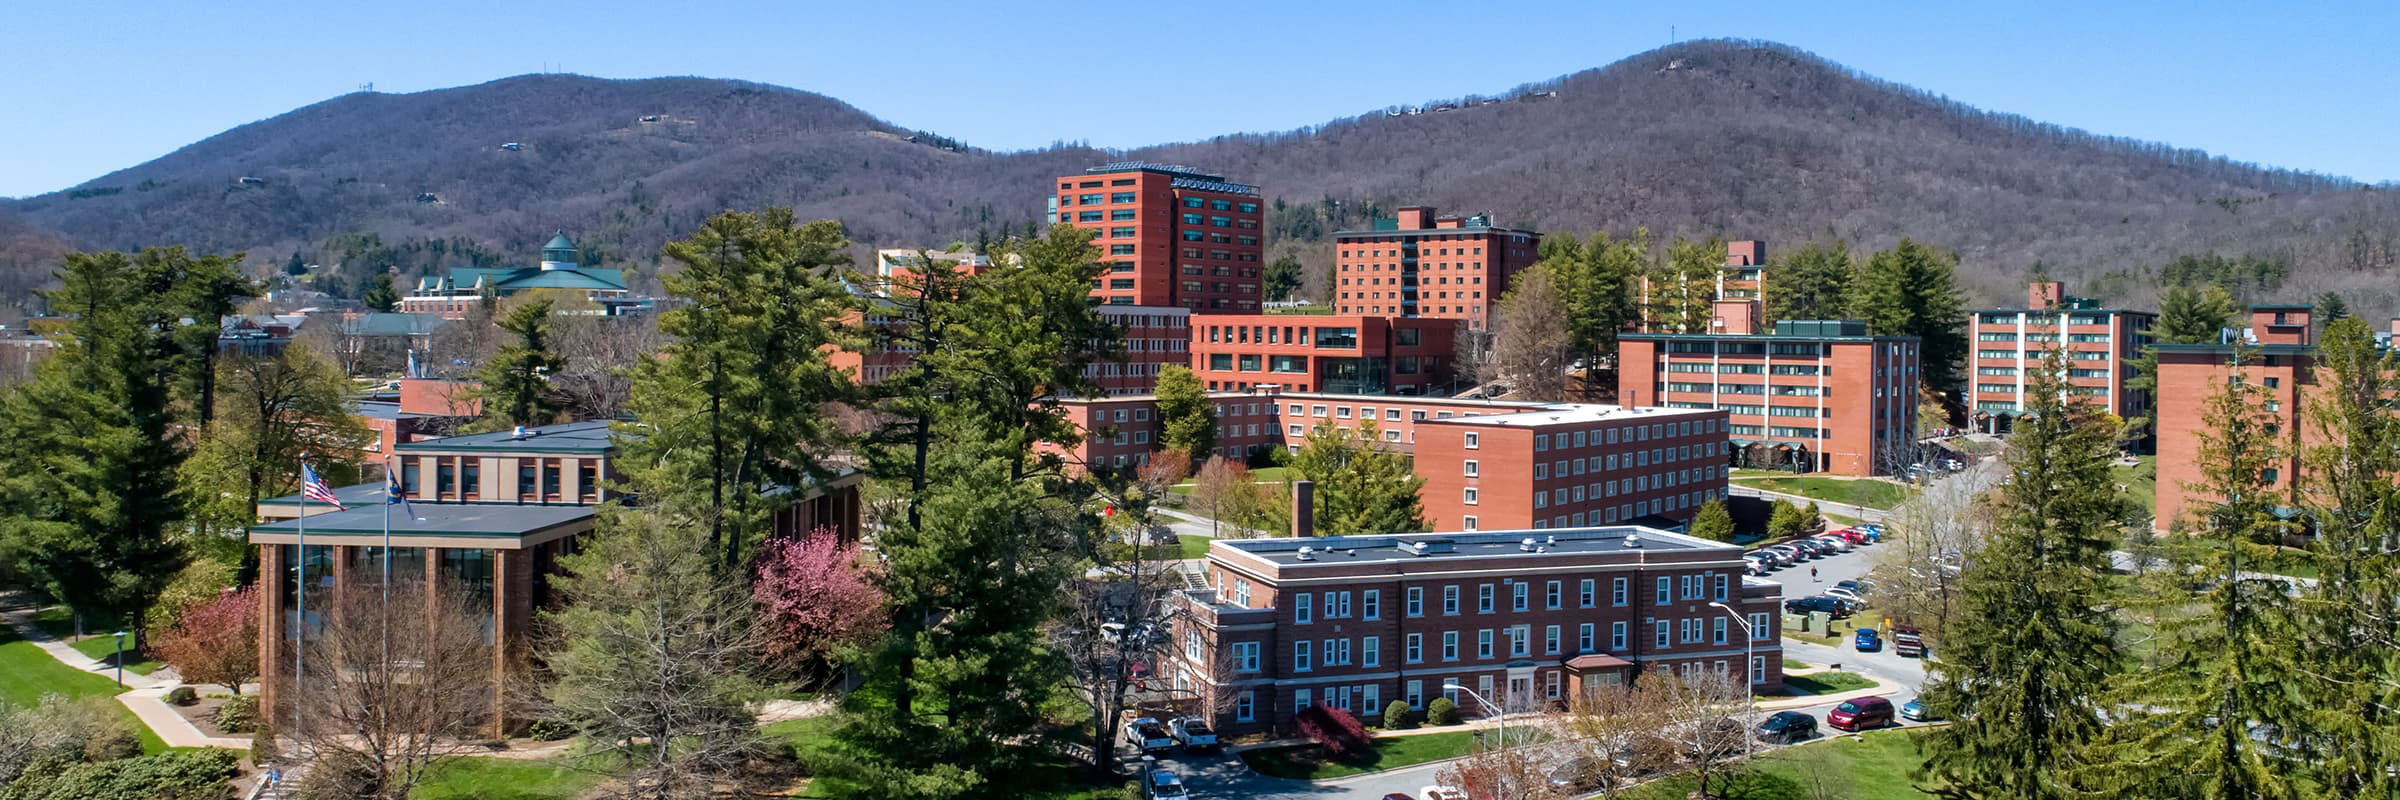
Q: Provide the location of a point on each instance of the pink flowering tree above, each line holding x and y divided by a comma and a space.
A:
216, 641
814, 598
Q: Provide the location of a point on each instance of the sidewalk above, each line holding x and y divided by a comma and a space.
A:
22, 620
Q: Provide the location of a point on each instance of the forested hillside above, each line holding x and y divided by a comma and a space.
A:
1745, 140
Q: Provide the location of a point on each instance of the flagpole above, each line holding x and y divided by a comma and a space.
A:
299, 601
385, 666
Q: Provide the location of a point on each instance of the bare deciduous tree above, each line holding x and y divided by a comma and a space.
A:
1611, 729
1219, 489
1112, 626
1927, 544
1535, 346
1705, 716
393, 685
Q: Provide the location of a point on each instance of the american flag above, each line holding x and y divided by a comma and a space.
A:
314, 488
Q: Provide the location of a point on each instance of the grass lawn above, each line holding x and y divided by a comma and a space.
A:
1825, 682
1260, 475
1307, 762
27, 673
1874, 766
1792, 664
487, 778
104, 650
1865, 492
1194, 546
2139, 482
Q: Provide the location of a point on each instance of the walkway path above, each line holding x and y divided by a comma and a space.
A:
22, 620
145, 695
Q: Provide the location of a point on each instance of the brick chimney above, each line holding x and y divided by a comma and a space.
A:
1414, 218
1746, 253
2045, 294
1304, 508
1737, 317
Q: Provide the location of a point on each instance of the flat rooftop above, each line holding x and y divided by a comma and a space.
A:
349, 496
590, 436
1573, 413
1465, 545
438, 519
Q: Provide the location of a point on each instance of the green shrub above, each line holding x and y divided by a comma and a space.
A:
171, 775
262, 746
58, 734
182, 696
1442, 711
238, 715
1397, 716
549, 730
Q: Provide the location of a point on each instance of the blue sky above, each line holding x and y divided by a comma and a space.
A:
94, 87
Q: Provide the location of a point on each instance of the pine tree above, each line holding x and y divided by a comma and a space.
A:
1361, 485
1812, 282
379, 294
1786, 520
1187, 420
1282, 277
2185, 724
2186, 315
1683, 292
2351, 733
1713, 523
735, 406
1912, 290
516, 381
2023, 676
1597, 283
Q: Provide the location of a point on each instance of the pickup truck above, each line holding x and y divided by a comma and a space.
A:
1907, 642
1146, 735
1193, 733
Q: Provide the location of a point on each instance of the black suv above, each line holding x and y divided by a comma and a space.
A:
1832, 606
1786, 727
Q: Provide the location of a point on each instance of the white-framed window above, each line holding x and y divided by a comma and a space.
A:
1413, 649
1245, 656
1519, 595
1520, 641
1449, 645
1483, 643
1467, 522
1758, 627
1758, 669
1583, 638
1300, 607
1550, 640
1373, 602
1191, 645
1551, 595
1473, 467
1245, 707
1717, 631
1300, 654
1616, 635
1552, 690
1370, 650
1450, 600
1617, 591
1416, 601
1473, 441
1367, 696
1468, 495
1300, 700
1721, 585
1584, 592
1664, 634
1416, 695
1541, 471
1483, 599
1666, 590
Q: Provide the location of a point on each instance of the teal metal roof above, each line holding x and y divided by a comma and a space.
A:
590, 436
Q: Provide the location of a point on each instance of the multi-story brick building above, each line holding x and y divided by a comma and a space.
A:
1745, 274
1421, 264
2010, 343
1172, 236
1526, 618
1816, 395
454, 294
1339, 354
1569, 466
1121, 431
2282, 361
1151, 338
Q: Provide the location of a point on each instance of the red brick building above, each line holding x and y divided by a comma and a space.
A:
2282, 361
1420, 264
1122, 431
2010, 344
1155, 336
1340, 354
1816, 395
1526, 618
1569, 466
1172, 236
1745, 273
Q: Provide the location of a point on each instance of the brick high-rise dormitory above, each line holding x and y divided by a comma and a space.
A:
1172, 236
1420, 264
1819, 395
2283, 356
2010, 343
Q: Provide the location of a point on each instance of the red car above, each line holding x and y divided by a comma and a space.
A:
1860, 713
1853, 535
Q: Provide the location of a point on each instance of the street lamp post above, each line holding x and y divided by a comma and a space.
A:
1499, 712
120, 659
1749, 659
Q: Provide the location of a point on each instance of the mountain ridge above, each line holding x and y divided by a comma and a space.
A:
1742, 139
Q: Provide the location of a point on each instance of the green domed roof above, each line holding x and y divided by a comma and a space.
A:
560, 249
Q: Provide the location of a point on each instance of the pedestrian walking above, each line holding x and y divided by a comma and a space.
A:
1812, 575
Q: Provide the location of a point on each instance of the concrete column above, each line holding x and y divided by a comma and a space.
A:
512, 617
274, 657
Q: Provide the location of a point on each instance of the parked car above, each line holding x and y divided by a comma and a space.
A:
1867, 641
1792, 553
1755, 566
1839, 544
1845, 594
1818, 546
1577, 775
1193, 733
1858, 586
1442, 793
1164, 785
1786, 727
1906, 641
1860, 713
1147, 735
1833, 607
1398, 796
1915, 710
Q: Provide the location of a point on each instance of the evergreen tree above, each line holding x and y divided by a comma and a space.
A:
295, 267
2022, 677
2351, 654
379, 294
2184, 725
1597, 283
2186, 315
1812, 282
1682, 294
1912, 290
2330, 307
516, 381
273, 411
88, 455
1786, 520
1713, 523
1362, 485
196, 293
734, 408
1283, 277
1187, 420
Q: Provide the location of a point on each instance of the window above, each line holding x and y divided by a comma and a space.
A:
1550, 640
1373, 603
1245, 707
1450, 600
1413, 648
1471, 440
1483, 599
1616, 592
1665, 636
1245, 656
1300, 607
1371, 649
1416, 694
1449, 645
1550, 595
1472, 468
1468, 495
1520, 641
1300, 651
1300, 700
1483, 643
1518, 595
1666, 589
1367, 695
1583, 638
1720, 588
1758, 627
1716, 633
1191, 645
1416, 601
1584, 593
1616, 635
